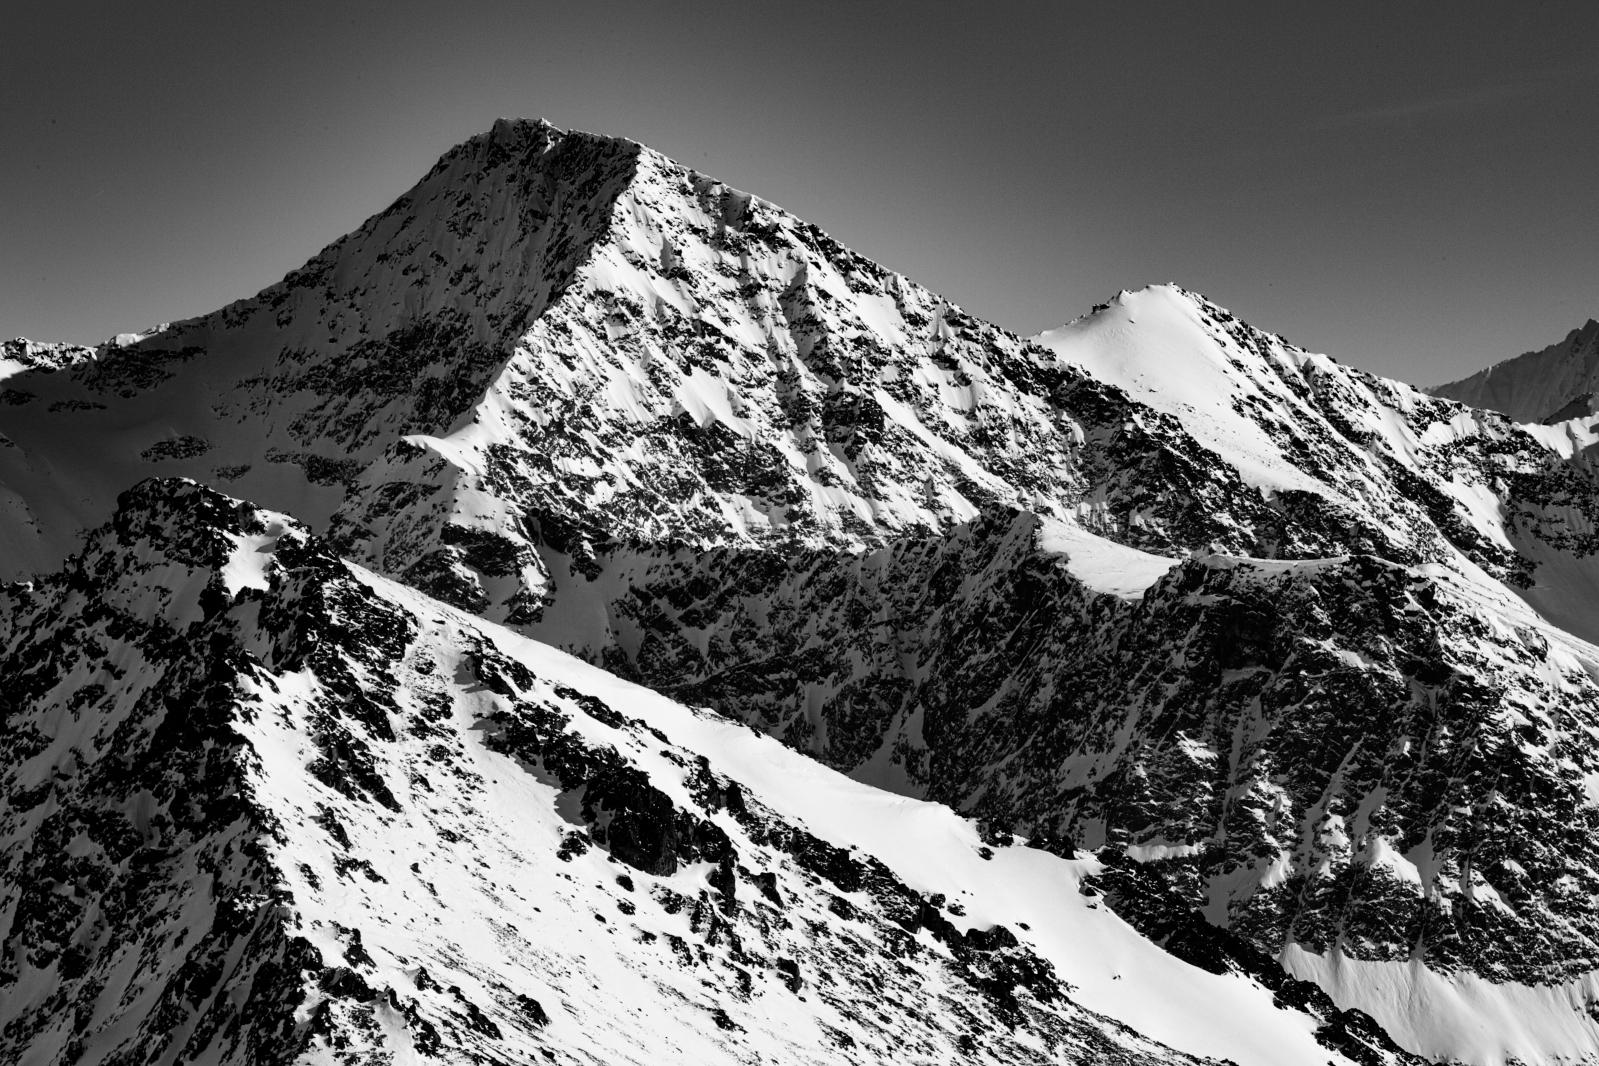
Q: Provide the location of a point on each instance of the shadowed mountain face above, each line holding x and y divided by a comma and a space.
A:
1550, 385
1300, 654
1302, 744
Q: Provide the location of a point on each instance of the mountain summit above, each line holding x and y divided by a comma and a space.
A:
1266, 683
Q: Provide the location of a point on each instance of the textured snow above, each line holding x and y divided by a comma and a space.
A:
1461, 1017
247, 565
1567, 439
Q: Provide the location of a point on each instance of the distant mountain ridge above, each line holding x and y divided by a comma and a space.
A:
1538, 386
1297, 659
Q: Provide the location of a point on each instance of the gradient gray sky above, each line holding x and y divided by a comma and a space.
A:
1412, 188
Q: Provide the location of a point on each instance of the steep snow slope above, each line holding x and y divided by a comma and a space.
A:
1553, 384
1162, 346
1464, 1018
274, 808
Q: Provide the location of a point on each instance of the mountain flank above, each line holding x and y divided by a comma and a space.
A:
588, 610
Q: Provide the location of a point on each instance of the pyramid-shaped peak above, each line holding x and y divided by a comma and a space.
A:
520, 141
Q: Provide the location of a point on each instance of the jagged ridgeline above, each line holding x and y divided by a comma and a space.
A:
1299, 654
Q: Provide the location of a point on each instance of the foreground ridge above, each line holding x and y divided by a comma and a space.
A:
278, 809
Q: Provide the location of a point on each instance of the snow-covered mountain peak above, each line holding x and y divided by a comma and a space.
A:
558, 341
1157, 584
1291, 421
1154, 344
510, 129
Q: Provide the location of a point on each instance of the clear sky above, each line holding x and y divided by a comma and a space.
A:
1412, 188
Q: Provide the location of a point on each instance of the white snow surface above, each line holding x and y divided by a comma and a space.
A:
1460, 1017
1152, 344
1101, 564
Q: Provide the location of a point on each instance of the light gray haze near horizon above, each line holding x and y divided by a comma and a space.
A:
1409, 188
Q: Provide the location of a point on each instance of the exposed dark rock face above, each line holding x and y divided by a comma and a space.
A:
1307, 736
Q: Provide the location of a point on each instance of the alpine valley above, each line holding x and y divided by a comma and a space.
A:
588, 615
